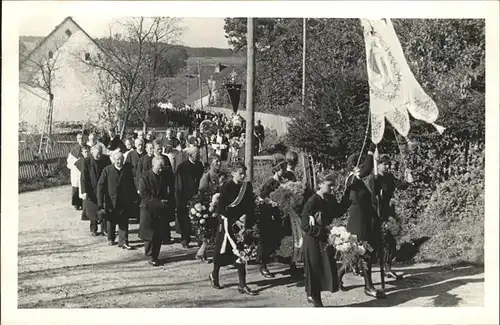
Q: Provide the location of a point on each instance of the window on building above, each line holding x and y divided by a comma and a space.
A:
51, 54
68, 32
87, 56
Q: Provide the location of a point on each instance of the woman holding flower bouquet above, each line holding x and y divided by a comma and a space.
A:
269, 222
236, 205
319, 257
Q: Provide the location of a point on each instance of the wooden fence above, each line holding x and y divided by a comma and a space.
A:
33, 166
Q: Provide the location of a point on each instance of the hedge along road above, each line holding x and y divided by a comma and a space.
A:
61, 265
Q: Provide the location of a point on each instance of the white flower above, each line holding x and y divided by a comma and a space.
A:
353, 239
198, 214
202, 221
361, 250
211, 208
343, 247
192, 211
198, 207
205, 216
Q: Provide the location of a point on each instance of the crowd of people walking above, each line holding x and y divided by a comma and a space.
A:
154, 178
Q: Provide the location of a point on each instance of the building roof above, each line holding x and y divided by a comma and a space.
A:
48, 39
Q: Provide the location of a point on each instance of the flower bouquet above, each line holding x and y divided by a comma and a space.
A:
202, 215
289, 197
351, 252
246, 241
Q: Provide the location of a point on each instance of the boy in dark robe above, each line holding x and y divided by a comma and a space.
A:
236, 204
386, 184
187, 182
363, 220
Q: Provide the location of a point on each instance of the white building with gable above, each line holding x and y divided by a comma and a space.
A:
74, 87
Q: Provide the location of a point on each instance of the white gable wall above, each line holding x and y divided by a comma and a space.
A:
76, 98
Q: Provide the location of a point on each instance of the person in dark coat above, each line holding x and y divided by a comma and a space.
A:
132, 159
187, 182
210, 181
157, 206
385, 184
114, 142
91, 171
144, 163
169, 140
115, 195
319, 259
236, 203
79, 166
270, 221
363, 220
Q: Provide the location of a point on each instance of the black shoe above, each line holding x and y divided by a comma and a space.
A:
394, 275
111, 242
265, 272
185, 244
213, 283
372, 292
315, 302
153, 263
246, 291
126, 246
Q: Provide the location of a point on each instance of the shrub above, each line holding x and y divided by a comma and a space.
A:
454, 219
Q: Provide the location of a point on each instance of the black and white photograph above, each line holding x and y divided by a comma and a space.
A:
242, 156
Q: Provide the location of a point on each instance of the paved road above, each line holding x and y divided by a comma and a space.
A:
60, 265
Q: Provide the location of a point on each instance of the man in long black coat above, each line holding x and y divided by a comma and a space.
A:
157, 206
154, 149
115, 195
91, 171
187, 182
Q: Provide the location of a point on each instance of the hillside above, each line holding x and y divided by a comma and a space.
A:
28, 43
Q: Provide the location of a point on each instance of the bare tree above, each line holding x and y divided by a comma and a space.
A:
132, 60
39, 73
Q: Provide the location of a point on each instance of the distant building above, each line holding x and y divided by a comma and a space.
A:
76, 99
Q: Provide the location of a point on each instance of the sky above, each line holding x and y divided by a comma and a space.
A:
199, 32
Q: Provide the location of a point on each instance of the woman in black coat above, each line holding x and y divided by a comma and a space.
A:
363, 219
319, 258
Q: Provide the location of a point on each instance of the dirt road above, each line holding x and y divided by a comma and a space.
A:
61, 265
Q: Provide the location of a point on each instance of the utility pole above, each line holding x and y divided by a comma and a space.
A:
249, 147
304, 36
199, 84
